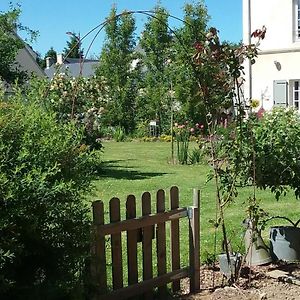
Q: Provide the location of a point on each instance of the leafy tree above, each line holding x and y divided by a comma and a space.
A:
184, 76
10, 44
155, 43
73, 49
117, 68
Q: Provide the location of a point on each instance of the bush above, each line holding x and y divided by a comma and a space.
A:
269, 146
277, 147
119, 134
44, 225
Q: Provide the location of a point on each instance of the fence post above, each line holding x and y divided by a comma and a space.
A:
194, 238
98, 251
175, 241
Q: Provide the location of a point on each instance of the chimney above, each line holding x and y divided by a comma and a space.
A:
59, 59
49, 62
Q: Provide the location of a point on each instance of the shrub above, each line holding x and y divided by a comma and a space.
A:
195, 156
119, 134
271, 147
277, 147
44, 225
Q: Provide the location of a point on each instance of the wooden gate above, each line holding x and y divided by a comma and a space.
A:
143, 229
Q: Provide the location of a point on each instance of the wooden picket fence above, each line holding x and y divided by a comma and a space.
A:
143, 229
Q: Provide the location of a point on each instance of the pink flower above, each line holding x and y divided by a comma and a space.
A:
192, 130
201, 126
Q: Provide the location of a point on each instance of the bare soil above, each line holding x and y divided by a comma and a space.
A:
253, 284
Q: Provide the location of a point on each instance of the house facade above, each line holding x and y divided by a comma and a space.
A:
275, 77
73, 67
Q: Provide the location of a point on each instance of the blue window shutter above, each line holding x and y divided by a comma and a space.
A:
280, 93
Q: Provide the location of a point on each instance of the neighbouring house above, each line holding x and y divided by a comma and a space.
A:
275, 77
26, 59
71, 66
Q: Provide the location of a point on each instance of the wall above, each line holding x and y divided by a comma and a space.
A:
279, 56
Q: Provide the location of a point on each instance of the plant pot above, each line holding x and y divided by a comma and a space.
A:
285, 243
233, 267
257, 252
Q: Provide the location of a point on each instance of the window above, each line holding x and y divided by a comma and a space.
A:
296, 94
297, 19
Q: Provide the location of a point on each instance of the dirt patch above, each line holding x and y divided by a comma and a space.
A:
254, 284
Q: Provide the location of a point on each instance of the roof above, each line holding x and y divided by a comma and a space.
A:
72, 66
26, 59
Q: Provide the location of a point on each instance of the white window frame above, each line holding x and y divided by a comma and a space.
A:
297, 20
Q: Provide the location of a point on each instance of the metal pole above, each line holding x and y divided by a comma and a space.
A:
172, 121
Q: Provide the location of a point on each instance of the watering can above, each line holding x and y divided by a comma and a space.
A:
285, 241
257, 252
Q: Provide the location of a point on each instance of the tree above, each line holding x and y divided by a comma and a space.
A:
185, 82
73, 49
156, 42
51, 53
117, 68
10, 44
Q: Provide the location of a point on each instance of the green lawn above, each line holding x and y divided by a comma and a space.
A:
135, 167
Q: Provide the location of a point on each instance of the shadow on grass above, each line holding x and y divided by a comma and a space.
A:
111, 169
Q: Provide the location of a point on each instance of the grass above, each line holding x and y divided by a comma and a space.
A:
136, 167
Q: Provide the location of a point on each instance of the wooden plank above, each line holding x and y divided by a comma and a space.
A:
147, 243
194, 240
116, 245
98, 267
142, 287
131, 242
175, 247
161, 243
148, 220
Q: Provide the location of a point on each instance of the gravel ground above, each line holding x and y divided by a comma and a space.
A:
253, 285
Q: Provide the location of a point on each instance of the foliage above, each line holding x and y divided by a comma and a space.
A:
119, 134
82, 100
154, 101
10, 44
51, 53
44, 231
183, 133
275, 141
73, 49
219, 68
116, 67
184, 75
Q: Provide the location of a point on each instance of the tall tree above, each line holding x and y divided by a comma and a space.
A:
118, 69
188, 36
155, 42
73, 49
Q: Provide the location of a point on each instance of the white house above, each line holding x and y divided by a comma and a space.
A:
26, 61
275, 77
74, 67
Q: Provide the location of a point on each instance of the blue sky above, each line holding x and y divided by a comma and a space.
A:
54, 18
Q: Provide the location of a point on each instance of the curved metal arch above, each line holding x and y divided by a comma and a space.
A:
149, 13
